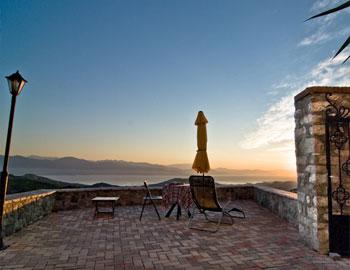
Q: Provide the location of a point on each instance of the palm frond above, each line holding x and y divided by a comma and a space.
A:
340, 7
345, 44
346, 59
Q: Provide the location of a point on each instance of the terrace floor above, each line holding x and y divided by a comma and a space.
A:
74, 240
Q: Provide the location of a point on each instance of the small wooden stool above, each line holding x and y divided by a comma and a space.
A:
112, 200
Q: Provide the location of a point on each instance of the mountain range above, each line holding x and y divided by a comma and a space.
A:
29, 182
19, 165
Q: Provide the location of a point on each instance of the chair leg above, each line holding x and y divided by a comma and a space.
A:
228, 215
96, 210
155, 207
234, 209
219, 222
170, 210
178, 212
202, 212
143, 208
191, 217
206, 216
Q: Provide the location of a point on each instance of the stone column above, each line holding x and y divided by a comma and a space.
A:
310, 152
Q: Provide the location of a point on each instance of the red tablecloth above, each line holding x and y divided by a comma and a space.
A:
177, 193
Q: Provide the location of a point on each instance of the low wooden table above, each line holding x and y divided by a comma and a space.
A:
112, 200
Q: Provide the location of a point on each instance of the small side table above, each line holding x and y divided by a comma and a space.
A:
177, 195
112, 200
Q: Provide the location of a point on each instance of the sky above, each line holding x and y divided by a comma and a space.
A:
124, 80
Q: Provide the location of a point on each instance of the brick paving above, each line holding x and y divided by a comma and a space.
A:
74, 240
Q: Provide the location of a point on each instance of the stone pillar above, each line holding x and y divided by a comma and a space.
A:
310, 152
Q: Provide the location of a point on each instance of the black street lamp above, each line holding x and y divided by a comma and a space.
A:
16, 83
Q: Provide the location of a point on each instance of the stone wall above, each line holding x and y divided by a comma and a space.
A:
280, 202
311, 162
67, 199
235, 192
25, 208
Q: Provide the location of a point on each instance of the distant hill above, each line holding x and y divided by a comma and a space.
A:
173, 180
20, 165
102, 184
235, 172
29, 182
283, 185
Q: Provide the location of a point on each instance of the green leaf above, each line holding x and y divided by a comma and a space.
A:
345, 44
340, 7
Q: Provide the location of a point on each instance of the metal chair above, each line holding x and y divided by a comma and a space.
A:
205, 199
150, 198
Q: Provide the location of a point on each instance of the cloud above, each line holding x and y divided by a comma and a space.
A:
321, 37
315, 38
288, 83
323, 5
325, 29
275, 129
320, 5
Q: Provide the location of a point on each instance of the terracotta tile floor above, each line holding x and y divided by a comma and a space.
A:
74, 240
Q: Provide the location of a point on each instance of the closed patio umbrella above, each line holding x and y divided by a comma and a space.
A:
201, 162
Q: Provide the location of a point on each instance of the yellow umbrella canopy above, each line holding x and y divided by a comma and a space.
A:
201, 162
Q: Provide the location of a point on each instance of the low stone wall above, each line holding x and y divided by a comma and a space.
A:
235, 192
67, 199
282, 203
25, 208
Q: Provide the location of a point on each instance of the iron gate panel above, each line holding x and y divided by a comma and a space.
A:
338, 168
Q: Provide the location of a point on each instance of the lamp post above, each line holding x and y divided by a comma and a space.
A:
16, 83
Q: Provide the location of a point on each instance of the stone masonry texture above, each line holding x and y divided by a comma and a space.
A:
311, 164
23, 209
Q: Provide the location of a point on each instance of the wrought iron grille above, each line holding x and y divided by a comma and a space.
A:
338, 167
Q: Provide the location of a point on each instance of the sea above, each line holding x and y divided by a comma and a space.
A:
137, 180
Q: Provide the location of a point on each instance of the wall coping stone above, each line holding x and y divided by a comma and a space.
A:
22, 209
104, 189
92, 189
45, 192
280, 192
321, 90
23, 195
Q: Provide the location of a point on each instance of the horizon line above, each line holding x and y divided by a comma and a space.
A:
34, 156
